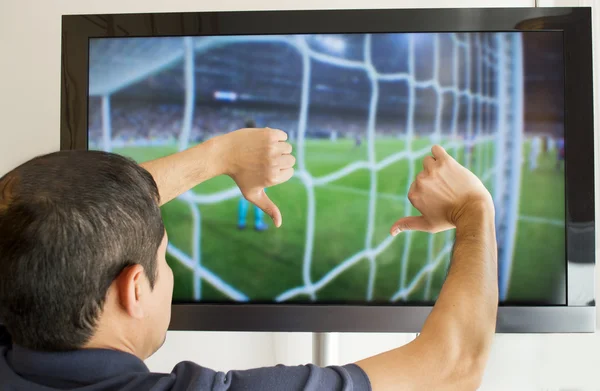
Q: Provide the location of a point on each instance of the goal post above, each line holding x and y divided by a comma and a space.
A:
509, 153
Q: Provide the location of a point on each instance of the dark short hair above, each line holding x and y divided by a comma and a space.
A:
70, 222
250, 124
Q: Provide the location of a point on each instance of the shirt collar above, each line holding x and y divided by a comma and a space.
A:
79, 366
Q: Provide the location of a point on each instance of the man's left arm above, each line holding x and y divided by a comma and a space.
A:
253, 158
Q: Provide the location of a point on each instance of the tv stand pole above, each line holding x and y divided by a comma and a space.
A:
325, 349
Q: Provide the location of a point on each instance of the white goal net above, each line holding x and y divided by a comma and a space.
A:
488, 140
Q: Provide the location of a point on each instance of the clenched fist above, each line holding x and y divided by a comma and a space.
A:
444, 192
256, 159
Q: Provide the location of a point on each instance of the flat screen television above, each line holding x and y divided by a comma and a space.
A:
363, 95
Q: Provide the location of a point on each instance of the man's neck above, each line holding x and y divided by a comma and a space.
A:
110, 340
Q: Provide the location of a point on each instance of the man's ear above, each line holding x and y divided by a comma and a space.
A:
130, 287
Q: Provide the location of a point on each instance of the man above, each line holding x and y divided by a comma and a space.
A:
534, 152
469, 158
560, 153
549, 144
85, 290
357, 140
259, 224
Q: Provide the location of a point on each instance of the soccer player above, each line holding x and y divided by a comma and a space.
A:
243, 205
534, 152
469, 146
560, 152
550, 143
357, 140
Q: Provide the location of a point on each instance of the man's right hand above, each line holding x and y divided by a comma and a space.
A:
444, 192
256, 159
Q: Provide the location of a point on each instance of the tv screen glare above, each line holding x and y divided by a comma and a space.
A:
363, 95
362, 111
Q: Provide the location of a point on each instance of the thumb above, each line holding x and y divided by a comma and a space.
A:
410, 223
263, 201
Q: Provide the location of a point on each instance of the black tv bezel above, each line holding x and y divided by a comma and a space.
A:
575, 23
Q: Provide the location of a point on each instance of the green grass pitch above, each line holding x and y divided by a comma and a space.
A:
264, 265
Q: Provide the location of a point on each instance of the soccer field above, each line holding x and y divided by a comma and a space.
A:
263, 265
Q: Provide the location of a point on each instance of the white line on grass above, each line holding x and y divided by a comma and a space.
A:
542, 220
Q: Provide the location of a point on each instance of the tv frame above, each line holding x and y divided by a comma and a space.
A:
575, 23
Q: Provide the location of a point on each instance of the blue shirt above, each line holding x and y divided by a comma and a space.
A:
102, 370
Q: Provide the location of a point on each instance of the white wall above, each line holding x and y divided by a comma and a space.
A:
29, 125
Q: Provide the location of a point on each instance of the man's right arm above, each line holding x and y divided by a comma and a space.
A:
453, 347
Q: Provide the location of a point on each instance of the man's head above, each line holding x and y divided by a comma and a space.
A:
82, 254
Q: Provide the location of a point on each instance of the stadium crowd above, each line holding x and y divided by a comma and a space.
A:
162, 122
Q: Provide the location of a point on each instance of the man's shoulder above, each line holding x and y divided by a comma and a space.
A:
189, 375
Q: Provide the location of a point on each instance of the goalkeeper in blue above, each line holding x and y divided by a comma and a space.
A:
243, 204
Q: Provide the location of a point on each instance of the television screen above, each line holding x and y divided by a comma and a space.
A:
361, 110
